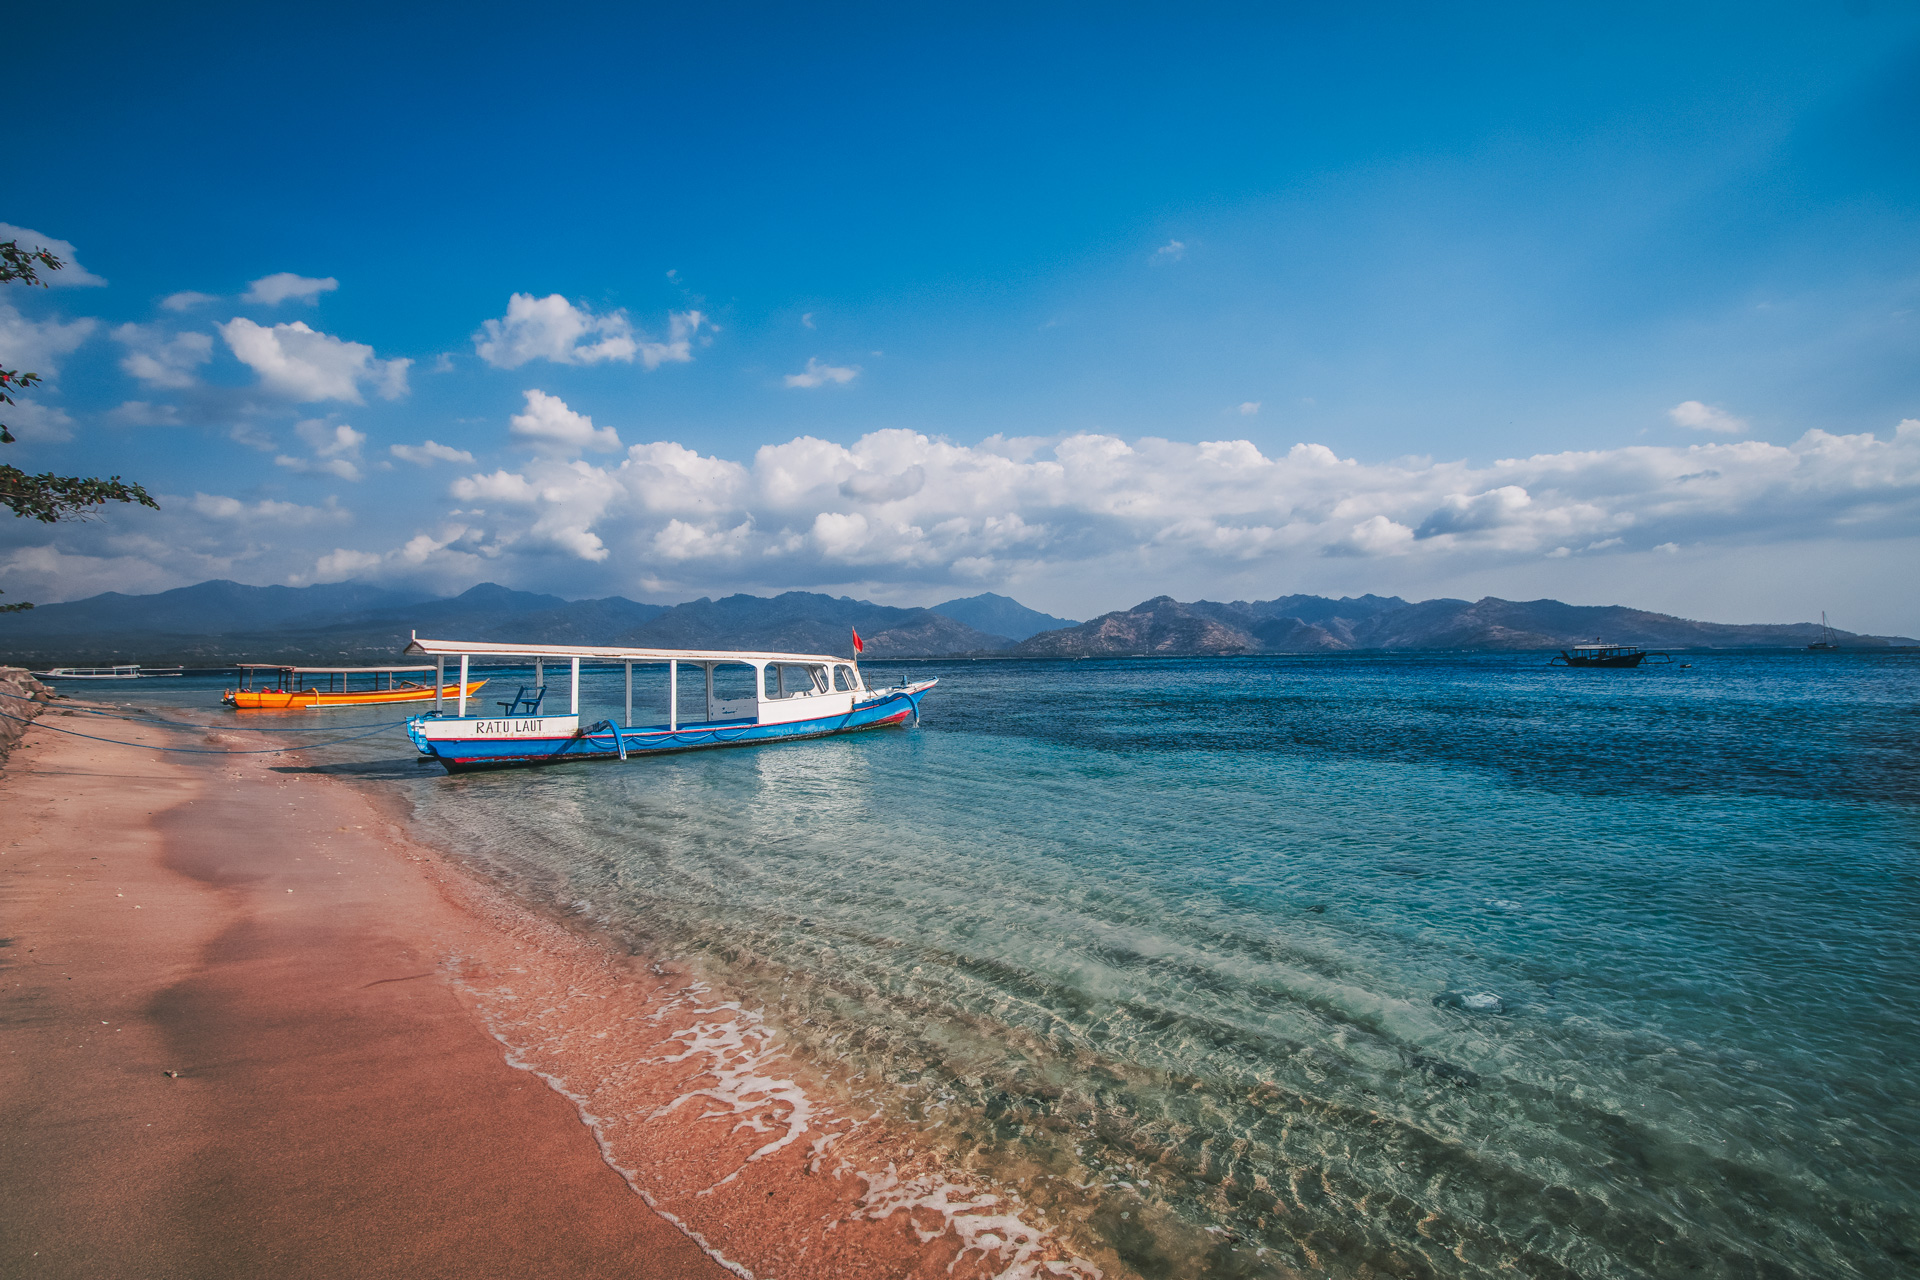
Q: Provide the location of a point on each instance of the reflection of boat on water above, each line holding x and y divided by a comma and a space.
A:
1829, 641
125, 671
741, 699
1600, 654
295, 688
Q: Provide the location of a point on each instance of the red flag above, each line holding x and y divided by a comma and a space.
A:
857, 646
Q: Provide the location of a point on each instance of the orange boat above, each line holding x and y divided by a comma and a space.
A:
296, 688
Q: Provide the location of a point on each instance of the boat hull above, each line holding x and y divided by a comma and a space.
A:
1622, 660
309, 699
461, 753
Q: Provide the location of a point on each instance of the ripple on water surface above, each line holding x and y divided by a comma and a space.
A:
1417, 966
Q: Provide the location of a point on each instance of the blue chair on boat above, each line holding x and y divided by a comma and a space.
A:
528, 697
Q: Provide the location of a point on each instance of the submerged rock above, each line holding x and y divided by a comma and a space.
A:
1443, 1072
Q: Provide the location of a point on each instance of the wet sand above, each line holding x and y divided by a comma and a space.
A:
385, 1066
337, 1110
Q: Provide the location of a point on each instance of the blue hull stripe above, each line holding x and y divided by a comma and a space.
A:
477, 753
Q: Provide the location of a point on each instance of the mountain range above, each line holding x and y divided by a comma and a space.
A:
1315, 624
219, 622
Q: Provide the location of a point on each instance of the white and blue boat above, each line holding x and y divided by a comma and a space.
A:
741, 699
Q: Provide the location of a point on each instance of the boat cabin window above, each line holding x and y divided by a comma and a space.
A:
792, 680
843, 680
732, 680
730, 689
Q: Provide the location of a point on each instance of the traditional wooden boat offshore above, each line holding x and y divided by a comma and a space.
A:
1601, 654
740, 699
286, 688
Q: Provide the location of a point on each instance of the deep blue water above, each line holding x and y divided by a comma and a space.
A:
1430, 965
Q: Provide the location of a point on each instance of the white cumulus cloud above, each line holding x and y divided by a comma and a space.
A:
186, 300
552, 328
341, 564
500, 486
336, 450
428, 452
31, 420
817, 374
899, 506
1171, 251
672, 479
160, 360
268, 511
1706, 417
36, 346
336, 440
682, 328
551, 510
548, 421
344, 468
46, 573
900, 514
145, 413
277, 288
305, 365
70, 275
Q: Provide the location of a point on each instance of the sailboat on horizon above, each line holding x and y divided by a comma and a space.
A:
1828, 641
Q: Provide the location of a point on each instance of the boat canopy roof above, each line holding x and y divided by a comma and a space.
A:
351, 671
608, 653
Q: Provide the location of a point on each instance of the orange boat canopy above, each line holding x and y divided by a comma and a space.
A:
284, 685
322, 671
285, 699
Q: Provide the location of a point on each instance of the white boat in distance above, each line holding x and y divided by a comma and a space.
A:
126, 671
786, 696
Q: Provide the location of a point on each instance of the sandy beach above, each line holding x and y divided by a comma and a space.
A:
231, 1048
254, 1029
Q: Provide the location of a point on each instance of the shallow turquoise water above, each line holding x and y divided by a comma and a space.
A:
1428, 965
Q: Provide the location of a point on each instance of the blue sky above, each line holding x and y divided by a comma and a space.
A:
1610, 303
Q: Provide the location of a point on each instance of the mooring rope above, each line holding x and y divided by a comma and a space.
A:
192, 751
174, 724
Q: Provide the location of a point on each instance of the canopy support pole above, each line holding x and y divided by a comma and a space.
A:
539, 675
439, 683
573, 700
463, 685
629, 719
673, 694
709, 667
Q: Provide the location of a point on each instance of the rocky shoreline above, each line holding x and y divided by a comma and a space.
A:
21, 699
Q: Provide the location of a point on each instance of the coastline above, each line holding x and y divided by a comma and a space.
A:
384, 1062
